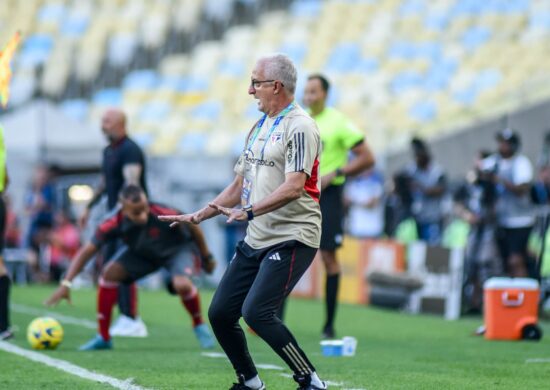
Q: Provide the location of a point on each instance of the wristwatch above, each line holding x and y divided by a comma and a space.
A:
340, 172
249, 212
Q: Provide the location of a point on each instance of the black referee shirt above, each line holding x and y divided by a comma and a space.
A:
115, 156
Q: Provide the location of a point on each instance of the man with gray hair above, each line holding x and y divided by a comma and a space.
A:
277, 186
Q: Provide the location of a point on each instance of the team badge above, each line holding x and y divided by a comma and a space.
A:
276, 137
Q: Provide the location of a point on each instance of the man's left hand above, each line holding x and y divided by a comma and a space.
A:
208, 264
232, 214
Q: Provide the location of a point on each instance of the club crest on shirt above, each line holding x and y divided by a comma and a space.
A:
276, 137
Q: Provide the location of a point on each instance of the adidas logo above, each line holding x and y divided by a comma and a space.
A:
275, 256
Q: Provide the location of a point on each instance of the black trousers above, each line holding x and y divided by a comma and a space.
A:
254, 286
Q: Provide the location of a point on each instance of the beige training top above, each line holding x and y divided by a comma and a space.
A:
292, 146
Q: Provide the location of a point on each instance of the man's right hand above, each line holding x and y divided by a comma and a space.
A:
62, 292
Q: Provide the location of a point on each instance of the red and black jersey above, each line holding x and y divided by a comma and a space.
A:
155, 240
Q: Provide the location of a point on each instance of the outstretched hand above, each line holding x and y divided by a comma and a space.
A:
232, 214
177, 219
61, 293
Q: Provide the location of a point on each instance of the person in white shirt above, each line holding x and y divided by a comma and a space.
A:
513, 174
364, 197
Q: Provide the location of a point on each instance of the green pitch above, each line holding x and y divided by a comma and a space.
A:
395, 351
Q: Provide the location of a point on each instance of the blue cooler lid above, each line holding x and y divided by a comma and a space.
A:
516, 283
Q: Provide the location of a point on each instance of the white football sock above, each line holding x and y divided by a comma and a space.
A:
315, 381
254, 383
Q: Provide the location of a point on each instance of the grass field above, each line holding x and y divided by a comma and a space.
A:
395, 351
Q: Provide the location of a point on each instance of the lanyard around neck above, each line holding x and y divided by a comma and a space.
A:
273, 127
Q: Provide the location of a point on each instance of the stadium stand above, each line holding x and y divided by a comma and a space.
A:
406, 67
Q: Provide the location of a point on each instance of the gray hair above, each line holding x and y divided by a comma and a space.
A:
280, 67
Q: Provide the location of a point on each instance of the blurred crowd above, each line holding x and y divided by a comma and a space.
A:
51, 236
497, 213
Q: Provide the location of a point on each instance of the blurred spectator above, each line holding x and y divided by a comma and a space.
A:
428, 186
538, 246
13, 229
512, 173
540, 191
363, 195
64, 241
475, 203
40, 203
398, 203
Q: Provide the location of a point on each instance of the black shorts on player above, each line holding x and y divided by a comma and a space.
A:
181, 263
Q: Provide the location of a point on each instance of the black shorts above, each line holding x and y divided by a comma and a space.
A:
332, 210
512, 241
180, 264
2, 223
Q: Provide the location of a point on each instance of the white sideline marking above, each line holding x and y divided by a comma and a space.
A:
538, 360
270, 367
70, 368
18, 308
215, 355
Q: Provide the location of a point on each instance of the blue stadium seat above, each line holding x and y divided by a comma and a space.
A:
487, 79
232, 69
405, 80
210, 110
466, 96
475, 37
412, 7
192, 143
344, 58
77, 109
36, 50
75, 26
423, 111
295, 50
141, 79
305, 8
145, 140
108, 97
51, 13
194, 84
540, 20
436, 21
155, 111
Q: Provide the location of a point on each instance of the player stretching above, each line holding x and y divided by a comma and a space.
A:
148, 245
